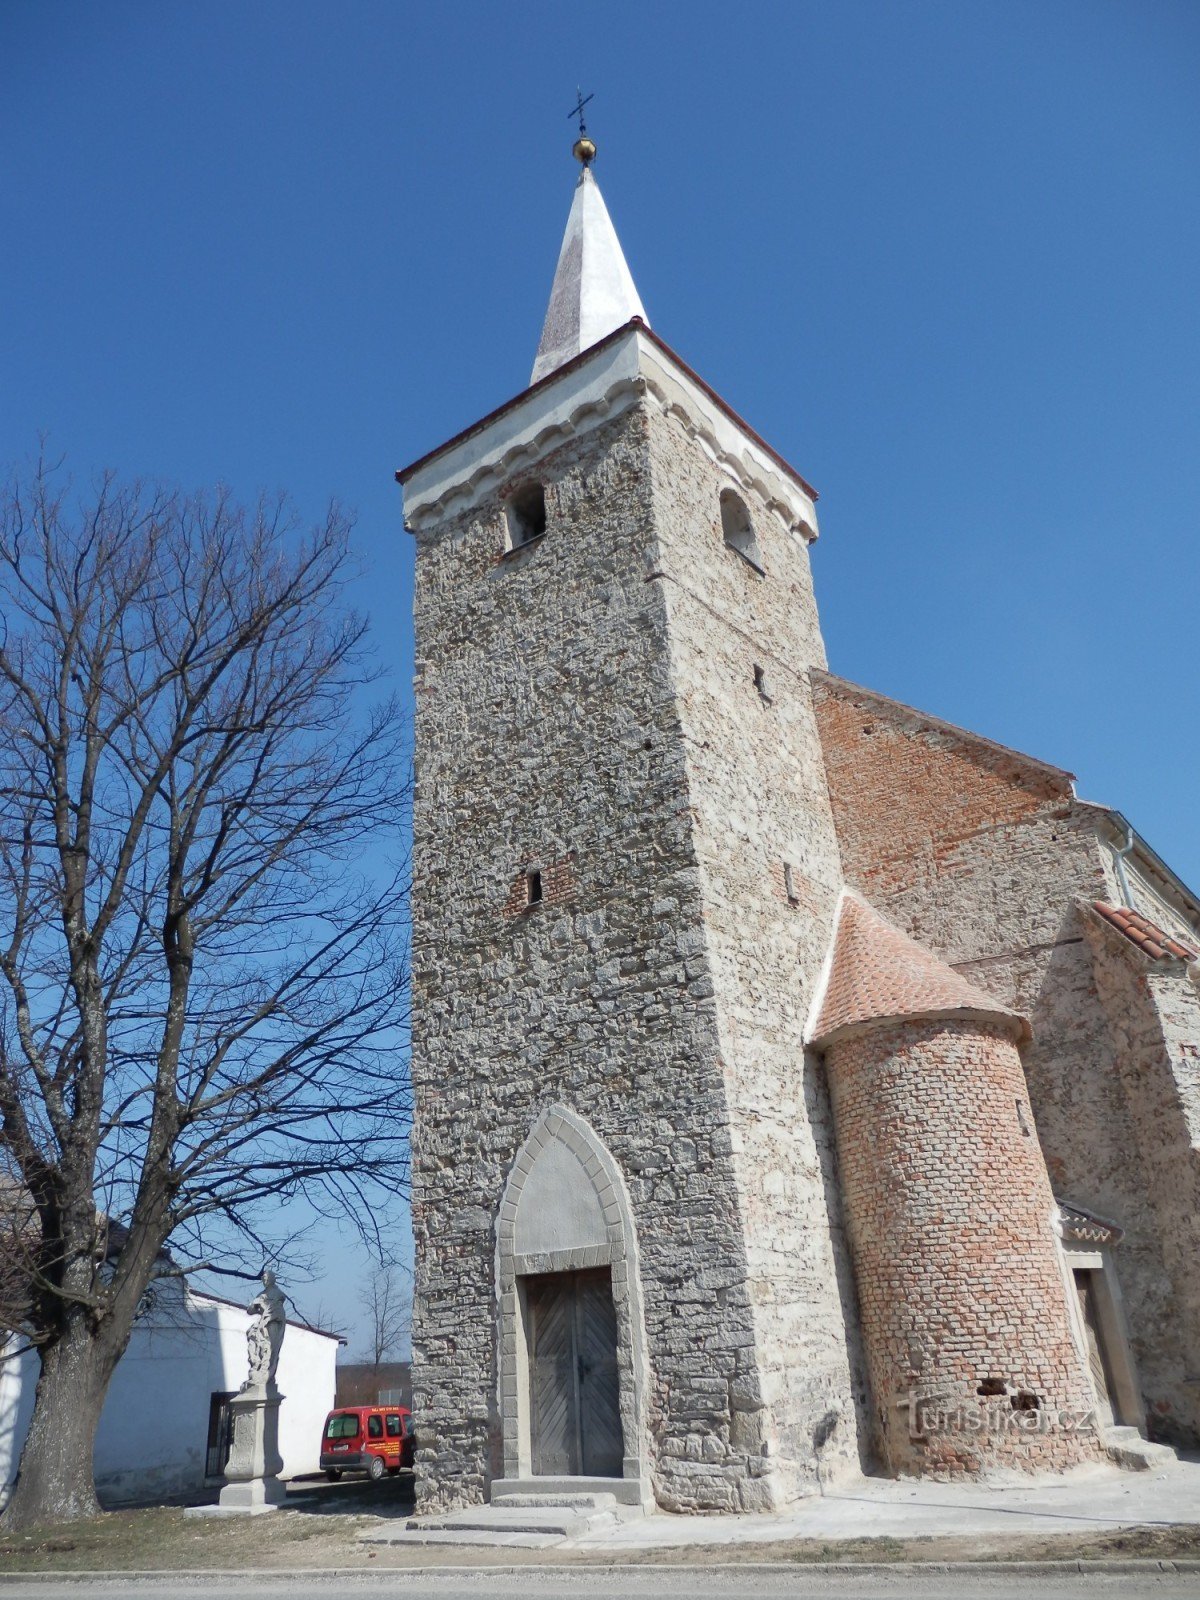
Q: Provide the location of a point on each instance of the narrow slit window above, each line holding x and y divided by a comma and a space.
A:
760, 683
526, 515
738, 530
789, 884
533, 887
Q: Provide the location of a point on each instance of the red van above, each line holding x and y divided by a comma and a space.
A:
370, 1439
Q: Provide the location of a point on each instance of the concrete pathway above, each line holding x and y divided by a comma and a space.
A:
1088, 1500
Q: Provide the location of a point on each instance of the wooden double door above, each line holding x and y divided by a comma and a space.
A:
574, 1387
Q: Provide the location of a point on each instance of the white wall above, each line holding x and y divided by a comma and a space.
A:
153, 1432
18, 1375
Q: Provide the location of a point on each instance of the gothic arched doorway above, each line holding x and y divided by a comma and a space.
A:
572, 1361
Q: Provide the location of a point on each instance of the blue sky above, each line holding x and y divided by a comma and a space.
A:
942, 255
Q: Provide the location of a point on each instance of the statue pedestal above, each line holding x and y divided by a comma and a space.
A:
252, 1474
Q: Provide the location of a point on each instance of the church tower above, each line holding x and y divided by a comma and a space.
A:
628, 1250
632, 1265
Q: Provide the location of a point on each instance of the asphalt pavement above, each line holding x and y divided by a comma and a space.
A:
640, 1583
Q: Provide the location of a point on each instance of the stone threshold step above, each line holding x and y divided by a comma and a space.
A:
1128, 1449
633, 1492
569, 1502
495, 1539
557, 1522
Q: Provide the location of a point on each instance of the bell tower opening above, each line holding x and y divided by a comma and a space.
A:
526, 515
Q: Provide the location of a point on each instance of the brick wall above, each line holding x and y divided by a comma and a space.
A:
960, 1285
985, 857
907, 792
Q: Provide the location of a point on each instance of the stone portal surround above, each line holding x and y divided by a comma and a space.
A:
619, 1252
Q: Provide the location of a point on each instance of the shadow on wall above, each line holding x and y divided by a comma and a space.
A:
18, 1377
1116, 1140
820, 1117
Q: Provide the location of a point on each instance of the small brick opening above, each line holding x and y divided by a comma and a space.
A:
992, 1386
533, 887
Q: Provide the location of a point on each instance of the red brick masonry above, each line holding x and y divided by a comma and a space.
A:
949, 1210
907, 789
558, 886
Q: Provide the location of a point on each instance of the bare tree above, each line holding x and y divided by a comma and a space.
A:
388, 1306
202, 992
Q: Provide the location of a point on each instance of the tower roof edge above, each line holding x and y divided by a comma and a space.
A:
560, 375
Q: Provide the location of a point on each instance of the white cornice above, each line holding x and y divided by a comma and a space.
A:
622, 372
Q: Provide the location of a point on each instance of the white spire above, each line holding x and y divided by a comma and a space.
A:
593, 290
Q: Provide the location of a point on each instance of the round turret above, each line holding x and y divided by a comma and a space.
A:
950, 1215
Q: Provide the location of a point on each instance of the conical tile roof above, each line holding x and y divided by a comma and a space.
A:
878, 974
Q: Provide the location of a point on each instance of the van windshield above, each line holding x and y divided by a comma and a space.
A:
342, 1427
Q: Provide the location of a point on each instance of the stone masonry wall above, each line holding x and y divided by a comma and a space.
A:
770, 876
963, 1299
1153, 1009
547, 733
985, 858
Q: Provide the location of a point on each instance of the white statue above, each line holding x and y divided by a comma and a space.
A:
265, 1334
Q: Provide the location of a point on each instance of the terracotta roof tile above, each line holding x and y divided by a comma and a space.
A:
1147, 935
1085, 1227
878, 973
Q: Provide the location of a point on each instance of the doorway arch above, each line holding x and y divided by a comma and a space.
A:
565, 1209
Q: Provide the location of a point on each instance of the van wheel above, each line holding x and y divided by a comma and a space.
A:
375, 1468
333, 1473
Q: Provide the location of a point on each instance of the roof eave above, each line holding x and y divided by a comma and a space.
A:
635, 323
999, 1016
889, 702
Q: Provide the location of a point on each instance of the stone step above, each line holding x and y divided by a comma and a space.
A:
581, 1503
492, 1539
1128, 1449
480, 1524
560, 1523
525, 1513
625, 1491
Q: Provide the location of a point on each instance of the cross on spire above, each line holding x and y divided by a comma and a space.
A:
584, 150
577, 109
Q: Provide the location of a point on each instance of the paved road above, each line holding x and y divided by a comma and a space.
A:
722, 1583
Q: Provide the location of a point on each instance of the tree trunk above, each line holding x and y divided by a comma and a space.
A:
55, 1481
